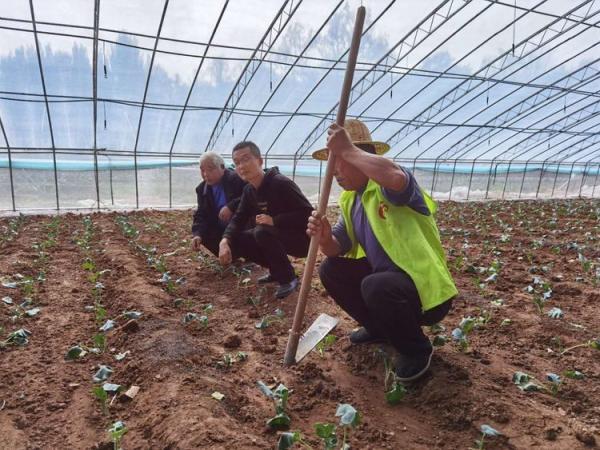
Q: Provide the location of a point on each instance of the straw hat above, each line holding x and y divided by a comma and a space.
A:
359, 133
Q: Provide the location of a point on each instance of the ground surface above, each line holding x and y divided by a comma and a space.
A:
46, 401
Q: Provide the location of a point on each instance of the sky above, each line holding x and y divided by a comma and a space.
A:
477, 33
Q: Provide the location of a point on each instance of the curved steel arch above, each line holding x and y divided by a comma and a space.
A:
496, 66
329, 70
291, 67
467, 147
251, 68
364, 84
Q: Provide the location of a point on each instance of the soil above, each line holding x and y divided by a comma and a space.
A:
46, 400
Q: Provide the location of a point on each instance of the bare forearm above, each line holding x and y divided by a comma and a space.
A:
381, 170
330, 247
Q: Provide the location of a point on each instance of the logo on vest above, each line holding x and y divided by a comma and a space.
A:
382, 211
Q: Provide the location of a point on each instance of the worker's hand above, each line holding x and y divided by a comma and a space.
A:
196, 243
338, 141
319, 226
264, 219
225, 214
224, 252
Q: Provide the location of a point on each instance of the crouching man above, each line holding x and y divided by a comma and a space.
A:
385, 265
270, 222
218, 198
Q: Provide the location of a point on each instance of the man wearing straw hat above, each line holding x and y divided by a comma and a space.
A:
385, 265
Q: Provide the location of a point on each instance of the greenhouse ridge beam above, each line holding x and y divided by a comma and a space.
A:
291, 67
318, 83
137, 136
469, 53
189, 94
364, 84
41, 67
270, 38
498, 65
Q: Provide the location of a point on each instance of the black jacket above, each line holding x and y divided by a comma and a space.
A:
206, 217
277, 196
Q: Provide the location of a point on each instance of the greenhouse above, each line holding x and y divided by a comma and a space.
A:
146, 306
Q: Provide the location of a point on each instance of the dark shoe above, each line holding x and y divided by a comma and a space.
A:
286, 289
268, 278
409, 368
362, 336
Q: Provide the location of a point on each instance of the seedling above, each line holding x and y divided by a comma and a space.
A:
349, 419
99, 341
573, 374
18, 337
325, 344
103, 374
555, 383
395, 391
288, 439
195, 318
280, 397
255, 300
555, 313
460, 334
486, 430
116, 432
102, 396
266, 321
592, 343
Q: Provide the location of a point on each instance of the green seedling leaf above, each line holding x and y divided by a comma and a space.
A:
208, 309
505, 322
75, 352
555, 313
573, 374
327, 432
348, 415
103, 374
264, 323
101, 395
396, 394
489, 431
99, 341
553, 378
467, 324
281, 420
178, 302
110, 387
439, 340
108, 325
19, 337
525, 382
437, 328
135, 315
265, 389
7, 300
241, 356
287, 440
117, 431
32, 312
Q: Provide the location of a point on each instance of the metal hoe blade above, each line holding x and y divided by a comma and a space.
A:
315, 333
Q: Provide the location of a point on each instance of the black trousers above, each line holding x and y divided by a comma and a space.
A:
269, 246
386, 303
212, 239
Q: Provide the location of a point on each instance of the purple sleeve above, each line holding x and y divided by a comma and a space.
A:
411, 196
341, 235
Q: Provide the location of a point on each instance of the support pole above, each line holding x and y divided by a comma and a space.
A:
294, 338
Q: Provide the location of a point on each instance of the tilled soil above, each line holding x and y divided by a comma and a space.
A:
46, 400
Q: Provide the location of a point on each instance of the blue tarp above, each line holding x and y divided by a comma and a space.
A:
301, 170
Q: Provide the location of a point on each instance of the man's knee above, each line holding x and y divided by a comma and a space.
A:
262, 234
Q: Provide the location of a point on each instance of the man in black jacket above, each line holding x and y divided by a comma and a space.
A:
218, 198
270, 221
